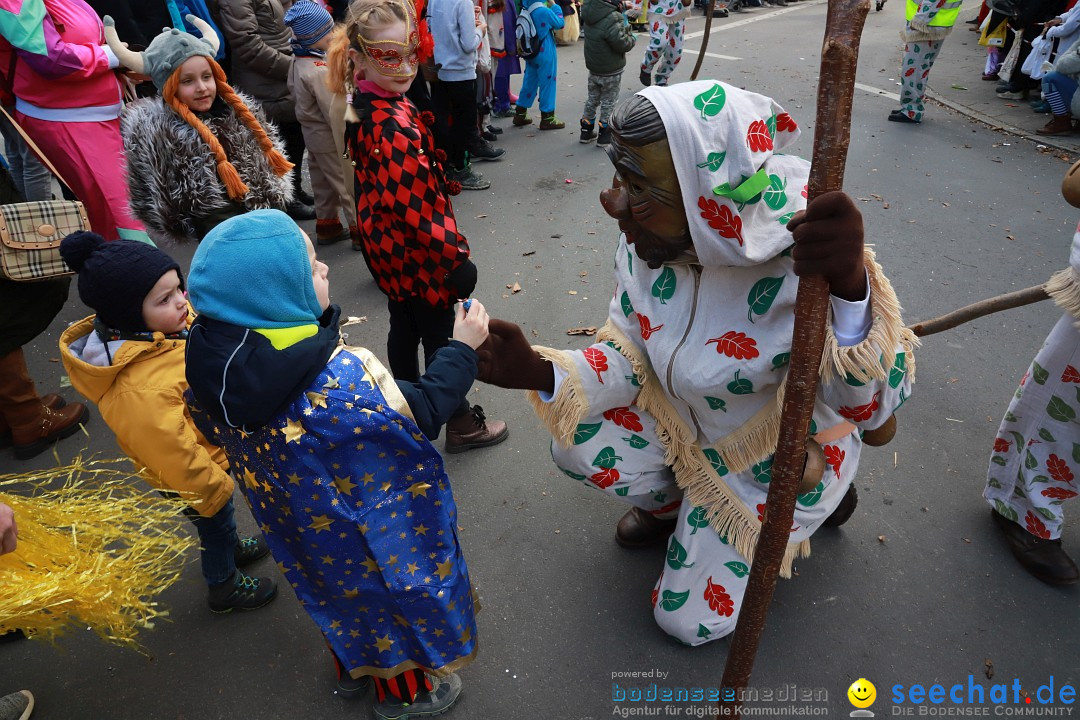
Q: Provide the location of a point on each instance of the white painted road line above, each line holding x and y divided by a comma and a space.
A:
755, 18
712, 55
877, 91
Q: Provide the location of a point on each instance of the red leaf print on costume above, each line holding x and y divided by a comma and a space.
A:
805, 191
785, 123
861, 412
624, 417
718, 599
667, 508
671, 41
605, 478
1001, 445
736, 345
835, 457
758, 137
1059, 469
647, 328
597, 361
1035, 526
655, 595
761, 516
656, 25
1071, 374
1058, 493
909, 72
721, 219
1024, 379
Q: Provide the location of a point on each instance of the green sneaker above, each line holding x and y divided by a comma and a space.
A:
242, 593
439, 699
250, 549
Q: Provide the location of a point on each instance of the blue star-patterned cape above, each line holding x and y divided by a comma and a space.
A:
358, 512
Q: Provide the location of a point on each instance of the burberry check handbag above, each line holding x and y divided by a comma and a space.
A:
30, 232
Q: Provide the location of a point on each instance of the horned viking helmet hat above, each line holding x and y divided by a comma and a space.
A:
166, 52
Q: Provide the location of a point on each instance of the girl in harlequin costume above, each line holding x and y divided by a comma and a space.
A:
409, 234
676, 409
201, 152
541, 70
1034, 465
335, 460
667, 24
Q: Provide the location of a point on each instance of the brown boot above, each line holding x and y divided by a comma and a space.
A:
34, 426
548, 121
639, 528
1045, 559
51, 401
1058, 125
521, 116
473, 430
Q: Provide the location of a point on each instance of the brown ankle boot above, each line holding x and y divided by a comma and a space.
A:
548, 121
521, 116
34, 426
473, 430
638, 529
1058, 125
51, 401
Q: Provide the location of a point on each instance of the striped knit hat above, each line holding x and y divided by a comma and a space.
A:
309, 22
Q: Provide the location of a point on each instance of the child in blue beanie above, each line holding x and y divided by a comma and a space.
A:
336, 460
129, 359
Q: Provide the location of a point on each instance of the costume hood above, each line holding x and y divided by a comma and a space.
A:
739, 192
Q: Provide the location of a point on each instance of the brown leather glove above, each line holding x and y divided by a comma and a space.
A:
507, 360
829, 241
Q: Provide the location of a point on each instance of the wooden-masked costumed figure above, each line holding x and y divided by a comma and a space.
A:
676, 409
1034, 462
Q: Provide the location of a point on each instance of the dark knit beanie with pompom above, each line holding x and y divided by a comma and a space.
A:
115, 277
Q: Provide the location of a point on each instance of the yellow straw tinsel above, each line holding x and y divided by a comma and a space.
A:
95, 546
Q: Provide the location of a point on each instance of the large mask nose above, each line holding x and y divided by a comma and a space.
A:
615, 202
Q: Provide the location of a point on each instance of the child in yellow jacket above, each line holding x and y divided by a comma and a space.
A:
129, 359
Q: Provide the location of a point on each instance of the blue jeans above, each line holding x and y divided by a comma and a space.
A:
1059, 90
31, 177
217, 538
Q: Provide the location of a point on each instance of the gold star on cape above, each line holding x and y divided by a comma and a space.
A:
371, 565
316, 399
419, 488
293, 430
420, 529
384, 643
320, 523
249, 479
466, 636
445, 569
344, 485
294, 479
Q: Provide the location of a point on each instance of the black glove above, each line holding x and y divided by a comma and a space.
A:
462, 279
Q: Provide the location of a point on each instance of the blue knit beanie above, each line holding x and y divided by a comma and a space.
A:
309, 22
252, 270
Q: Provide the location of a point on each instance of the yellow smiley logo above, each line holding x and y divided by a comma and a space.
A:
862, 693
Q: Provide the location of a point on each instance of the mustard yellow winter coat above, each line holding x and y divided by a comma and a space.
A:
141, 398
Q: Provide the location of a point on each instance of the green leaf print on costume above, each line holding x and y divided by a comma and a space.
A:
762, 295
992, 482
811, 498
1039, 373
627, 308
853, 381
672, 600
763, 471
1076, 452
1046, 435
632, 380
716, 403
716, 461
696, 519
784, 220
676, 556
780, 360
774, 195
1009, 417
1040, 479
1046, 513
1029, 460
606, 458
573, 475
713, 161
899, 368
771, 125
703, 632
1005, 511
585, 431
998, 460
1060, 410
1019, 440
629, 261
636, 441
711, 102
664, 287
740, 386
737, 568
622, 492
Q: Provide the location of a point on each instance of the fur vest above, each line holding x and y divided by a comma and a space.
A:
172, 173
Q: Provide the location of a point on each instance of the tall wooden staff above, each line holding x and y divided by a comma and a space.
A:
839, 60
704, 39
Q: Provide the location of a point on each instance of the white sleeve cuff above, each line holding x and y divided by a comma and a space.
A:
851, 320
114, 62
560, 375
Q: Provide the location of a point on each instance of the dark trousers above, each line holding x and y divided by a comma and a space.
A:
292, 137
419, 94
455, 119
217, 538
412, 323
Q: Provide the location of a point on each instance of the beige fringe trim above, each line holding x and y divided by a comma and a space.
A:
753, 441
934, 32
570, 406
1063, 287
873, 358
